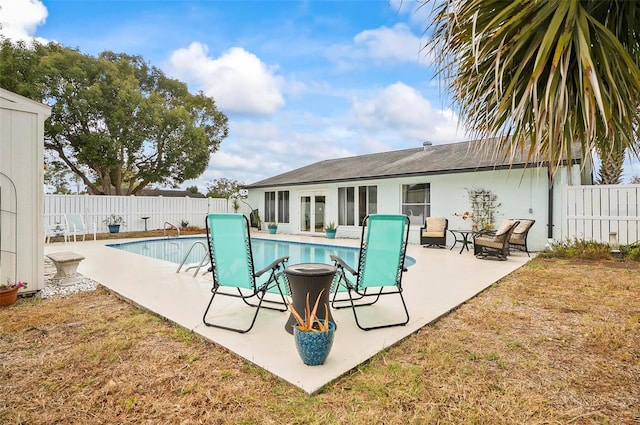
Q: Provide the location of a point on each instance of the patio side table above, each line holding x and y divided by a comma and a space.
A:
462, 236
309, 278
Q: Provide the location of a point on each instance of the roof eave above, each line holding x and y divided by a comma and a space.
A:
414, 174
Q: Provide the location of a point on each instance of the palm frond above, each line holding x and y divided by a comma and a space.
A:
540, 76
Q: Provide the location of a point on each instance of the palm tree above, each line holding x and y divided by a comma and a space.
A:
611, 167
546, 73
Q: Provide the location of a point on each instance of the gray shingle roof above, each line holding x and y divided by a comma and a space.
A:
436, 159
169, 193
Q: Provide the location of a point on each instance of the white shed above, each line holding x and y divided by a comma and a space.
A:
22, 189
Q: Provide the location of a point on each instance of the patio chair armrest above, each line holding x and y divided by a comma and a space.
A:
485, 232
275, 265
339, 262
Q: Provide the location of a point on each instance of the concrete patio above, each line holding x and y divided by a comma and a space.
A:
439, 281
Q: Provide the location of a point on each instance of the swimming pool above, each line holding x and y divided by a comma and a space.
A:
264, 251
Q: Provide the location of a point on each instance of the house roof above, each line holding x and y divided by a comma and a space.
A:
170, 193
435, 159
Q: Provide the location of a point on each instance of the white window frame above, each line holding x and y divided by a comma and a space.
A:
352, 216
276, 208
418, 208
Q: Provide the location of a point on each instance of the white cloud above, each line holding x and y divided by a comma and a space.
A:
238, 80
397, 43
20, 18
384, 45
401, 109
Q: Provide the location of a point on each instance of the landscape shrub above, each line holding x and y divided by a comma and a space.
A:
631, 251
579, 248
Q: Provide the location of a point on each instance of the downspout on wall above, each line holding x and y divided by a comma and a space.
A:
550, 206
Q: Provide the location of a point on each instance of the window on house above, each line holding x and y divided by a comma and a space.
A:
367, 201
276, 211
269, 207
348, 204
416, 202
283, 206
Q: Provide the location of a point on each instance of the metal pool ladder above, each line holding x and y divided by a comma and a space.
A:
165, 227
203, 262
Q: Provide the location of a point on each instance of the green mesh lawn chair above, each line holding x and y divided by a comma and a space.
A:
232, 267
380, 266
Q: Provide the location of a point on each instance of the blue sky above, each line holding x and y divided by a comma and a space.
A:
301, 81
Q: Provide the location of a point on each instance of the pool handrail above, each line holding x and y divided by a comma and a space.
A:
164, 228
204, 260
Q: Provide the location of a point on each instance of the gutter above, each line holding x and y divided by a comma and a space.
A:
550, 206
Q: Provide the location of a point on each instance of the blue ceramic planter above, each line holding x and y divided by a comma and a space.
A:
314, 347
331, 233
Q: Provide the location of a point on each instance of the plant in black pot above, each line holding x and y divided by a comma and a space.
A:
113, 222
313, 336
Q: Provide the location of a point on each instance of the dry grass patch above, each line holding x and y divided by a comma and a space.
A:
557, 341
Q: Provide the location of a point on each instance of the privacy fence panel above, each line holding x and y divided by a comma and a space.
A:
159, 210
593, 212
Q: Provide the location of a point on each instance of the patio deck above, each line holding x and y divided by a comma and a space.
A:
439, 281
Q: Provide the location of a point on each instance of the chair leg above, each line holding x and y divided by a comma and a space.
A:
211, 324
388, 325
260, 295
342, 281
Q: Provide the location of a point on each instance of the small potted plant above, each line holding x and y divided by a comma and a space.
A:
255, 219
330, 230
313, 336
9, 292
113, 222
272, 227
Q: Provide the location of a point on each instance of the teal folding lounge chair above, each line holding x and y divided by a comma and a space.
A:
232, 267
380, 266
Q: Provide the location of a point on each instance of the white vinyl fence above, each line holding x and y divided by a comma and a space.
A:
592, 212
95, 209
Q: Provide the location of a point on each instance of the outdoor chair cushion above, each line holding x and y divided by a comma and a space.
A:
504, 228
435, 227
490, 241
520, 232
434, 232
495, 244
518, 239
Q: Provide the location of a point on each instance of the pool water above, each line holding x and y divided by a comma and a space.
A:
264, 251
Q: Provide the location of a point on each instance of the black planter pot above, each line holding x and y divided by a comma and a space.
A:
114, 228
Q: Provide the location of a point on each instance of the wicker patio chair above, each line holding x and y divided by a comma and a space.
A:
434, 232
518, 239
494, 244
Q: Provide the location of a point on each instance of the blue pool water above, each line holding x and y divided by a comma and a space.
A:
264, 251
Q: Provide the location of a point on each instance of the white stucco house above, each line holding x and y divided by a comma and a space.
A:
432, 180
22, 189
